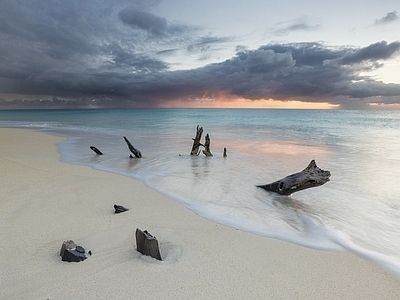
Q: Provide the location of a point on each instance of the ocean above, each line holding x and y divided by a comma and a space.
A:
357, 210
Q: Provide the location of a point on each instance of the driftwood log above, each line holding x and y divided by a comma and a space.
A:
147, 244
97, 151
196, 141
135, 151
207, 151
311, 176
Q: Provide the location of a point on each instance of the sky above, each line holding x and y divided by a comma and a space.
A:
209, 53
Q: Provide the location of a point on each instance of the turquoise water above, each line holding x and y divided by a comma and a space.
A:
358, 210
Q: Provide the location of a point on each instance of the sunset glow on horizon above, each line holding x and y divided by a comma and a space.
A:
246, 103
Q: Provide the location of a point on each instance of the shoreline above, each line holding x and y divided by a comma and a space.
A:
46, 202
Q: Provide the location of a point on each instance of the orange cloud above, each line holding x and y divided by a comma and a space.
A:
245, 103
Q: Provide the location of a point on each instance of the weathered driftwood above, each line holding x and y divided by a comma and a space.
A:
311, 176
70, 252
135, 151
96, 150
196, 141
119, 208
207, 151
147, 244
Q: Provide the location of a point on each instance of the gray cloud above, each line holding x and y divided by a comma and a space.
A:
389, 18
112, 57
374, 52
305, 72
144, 20
206, 43
130, 61
300, 24
152, 24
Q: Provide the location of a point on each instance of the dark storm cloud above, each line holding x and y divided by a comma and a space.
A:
74, 48
111, 57
143, 20
306, 72
119, 57
149, 22
315, 75
374, 52
389, 18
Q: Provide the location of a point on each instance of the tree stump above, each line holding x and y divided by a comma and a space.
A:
147, 244
311, 176
70, 252
135, 151
196, 141
207, 151
98, 152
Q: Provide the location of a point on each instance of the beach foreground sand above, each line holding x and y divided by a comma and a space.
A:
45, 202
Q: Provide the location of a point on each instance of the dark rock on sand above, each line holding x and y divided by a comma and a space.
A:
70, 252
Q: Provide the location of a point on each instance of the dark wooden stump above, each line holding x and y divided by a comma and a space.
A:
147, 244
207, 151
96, 150
119, 208
311, 176
134, 151
196, 141
70, 252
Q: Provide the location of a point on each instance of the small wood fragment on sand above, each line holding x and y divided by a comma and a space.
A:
119, 209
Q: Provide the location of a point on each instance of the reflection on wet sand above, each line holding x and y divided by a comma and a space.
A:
292, 211
200, 167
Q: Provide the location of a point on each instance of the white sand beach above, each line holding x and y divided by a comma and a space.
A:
45, 202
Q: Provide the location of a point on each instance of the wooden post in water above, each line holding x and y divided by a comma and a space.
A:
135, 151
207, 151
196, 141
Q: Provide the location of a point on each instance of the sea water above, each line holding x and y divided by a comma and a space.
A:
357, 210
